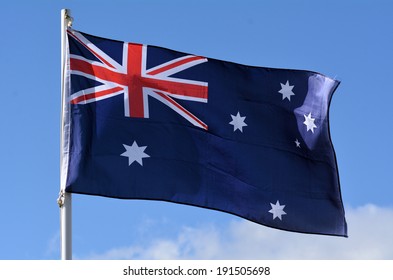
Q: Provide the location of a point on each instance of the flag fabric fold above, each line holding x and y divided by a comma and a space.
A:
144, 122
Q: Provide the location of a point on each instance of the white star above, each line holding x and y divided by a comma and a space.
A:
135, 153
286, 91
238, 122
277, 210
297, 143
309, 122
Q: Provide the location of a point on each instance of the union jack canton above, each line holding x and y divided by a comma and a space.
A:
132, 79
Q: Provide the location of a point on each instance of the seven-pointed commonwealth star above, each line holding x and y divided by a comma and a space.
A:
286, 91
135, 153
238, 122
309, 122
277, 210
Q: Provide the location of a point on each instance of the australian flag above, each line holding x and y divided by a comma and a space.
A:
144, 122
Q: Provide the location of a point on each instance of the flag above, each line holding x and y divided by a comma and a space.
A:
145, 122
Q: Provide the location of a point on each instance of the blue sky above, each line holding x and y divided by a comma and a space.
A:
350, 40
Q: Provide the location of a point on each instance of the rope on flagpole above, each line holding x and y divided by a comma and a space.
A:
68, 18
60, 199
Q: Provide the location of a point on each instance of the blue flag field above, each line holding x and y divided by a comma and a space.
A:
145, 122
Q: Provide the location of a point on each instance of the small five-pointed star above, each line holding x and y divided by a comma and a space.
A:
297, 143
277, 210
286, 91
309, 122
238, 122
135, 153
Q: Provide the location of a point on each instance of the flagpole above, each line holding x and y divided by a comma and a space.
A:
65, 200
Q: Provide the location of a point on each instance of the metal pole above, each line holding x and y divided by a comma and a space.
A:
65, 199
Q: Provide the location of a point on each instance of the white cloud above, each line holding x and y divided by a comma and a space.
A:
370, 237
370, 231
